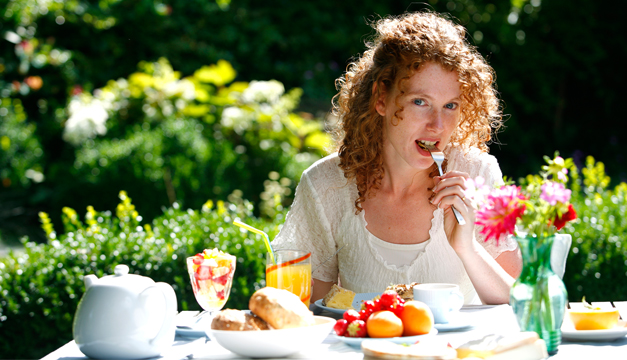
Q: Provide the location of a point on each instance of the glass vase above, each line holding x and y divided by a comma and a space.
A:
538, 297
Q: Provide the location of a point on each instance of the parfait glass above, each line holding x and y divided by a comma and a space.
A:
211, 280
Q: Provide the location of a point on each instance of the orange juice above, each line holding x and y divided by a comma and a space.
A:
293, 275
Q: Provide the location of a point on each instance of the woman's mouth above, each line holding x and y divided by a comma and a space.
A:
425, 145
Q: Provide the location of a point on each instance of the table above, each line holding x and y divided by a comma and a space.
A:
488, 319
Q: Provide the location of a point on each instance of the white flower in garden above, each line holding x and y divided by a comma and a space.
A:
263, 91
183, 88
236, 118
87, 119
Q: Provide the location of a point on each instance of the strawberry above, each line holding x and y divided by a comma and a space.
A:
377, 305
356, 328
398, 310
388, 299
340, 327
203, 272
351, 315
364, 314
198, 259
220, 294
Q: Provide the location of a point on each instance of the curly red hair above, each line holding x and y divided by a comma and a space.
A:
401, 44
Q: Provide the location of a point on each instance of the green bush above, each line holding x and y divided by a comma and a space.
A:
192, 138
597, 263
40, 289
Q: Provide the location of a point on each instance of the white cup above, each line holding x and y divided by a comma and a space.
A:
442, 299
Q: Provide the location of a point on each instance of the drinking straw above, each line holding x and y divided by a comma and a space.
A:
257, 231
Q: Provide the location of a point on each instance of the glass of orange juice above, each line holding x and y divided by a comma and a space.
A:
291, 272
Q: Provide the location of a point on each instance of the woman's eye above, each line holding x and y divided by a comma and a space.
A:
419, 102
451, 106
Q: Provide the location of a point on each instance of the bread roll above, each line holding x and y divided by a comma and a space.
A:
280, 308
237, 320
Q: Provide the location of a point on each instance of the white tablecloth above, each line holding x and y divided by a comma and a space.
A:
486, 320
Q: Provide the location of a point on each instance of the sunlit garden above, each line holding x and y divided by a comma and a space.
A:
135, 132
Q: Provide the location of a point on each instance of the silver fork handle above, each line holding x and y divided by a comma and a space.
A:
458, 216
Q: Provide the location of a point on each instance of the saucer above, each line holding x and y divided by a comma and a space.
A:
569, 332
457, 321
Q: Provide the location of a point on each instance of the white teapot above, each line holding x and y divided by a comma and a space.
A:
124, 316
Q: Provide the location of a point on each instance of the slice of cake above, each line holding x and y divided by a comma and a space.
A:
339, 298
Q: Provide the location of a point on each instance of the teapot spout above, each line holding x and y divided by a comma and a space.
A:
90, 280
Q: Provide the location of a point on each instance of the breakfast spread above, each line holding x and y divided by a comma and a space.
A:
524, 345
406, 291
339, 298
271, 309
386, 316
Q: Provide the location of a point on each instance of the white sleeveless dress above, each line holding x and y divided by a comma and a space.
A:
322, 219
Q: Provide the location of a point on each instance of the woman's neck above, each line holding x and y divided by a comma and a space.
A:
399, 180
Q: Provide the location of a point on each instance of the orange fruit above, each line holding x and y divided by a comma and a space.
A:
417, 318
383, 324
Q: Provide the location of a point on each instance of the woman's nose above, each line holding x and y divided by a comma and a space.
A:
436, 120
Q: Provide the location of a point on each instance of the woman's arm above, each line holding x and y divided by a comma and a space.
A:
491, 278
320, 289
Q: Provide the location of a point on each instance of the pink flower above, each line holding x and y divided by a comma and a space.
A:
501, 209
554, 192
477, 191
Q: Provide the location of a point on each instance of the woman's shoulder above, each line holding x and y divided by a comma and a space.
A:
326, 168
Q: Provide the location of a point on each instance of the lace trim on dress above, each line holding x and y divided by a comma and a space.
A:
381, 259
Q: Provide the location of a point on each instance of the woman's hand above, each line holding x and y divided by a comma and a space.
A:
449, 191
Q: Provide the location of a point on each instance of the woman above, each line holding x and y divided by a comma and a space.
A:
378, 198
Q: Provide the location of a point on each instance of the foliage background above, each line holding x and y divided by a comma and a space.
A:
558, 66
556, 62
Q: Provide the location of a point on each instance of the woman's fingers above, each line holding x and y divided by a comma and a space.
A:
447, 181
451, 195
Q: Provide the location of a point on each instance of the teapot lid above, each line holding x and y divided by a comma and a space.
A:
122, 278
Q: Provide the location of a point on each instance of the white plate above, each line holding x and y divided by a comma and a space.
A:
569, 332
458, 321
194, 333
357, 300
273, 343
196, 326
356, 342
333, 310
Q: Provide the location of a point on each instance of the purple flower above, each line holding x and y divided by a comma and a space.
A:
554, 192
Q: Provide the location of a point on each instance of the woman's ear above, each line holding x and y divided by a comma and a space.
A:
378, 91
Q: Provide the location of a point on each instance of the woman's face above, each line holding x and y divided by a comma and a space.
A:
431, 111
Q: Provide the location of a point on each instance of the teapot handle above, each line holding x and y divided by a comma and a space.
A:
170, 310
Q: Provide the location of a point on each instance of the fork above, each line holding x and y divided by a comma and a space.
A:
438, 157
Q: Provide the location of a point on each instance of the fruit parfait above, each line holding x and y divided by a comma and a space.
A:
211, 273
